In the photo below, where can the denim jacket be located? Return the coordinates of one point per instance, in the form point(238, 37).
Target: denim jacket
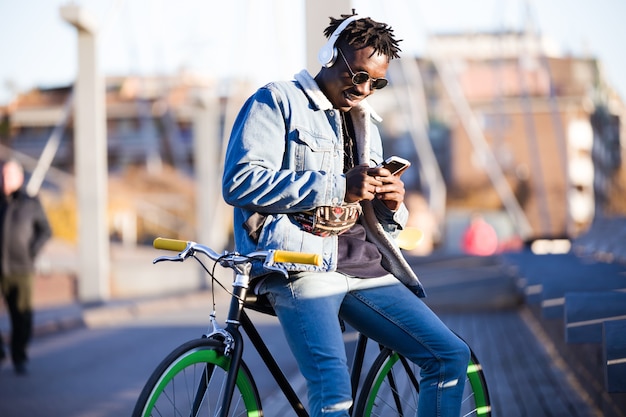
point(285, 155)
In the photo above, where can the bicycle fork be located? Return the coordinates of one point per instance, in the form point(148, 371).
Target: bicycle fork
point(233, 341)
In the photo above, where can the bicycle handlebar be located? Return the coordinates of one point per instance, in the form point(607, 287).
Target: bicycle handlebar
point(280, 256)
point(169, 244)
point(284, 256)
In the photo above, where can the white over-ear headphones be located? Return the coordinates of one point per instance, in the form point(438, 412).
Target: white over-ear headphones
point(328, 53)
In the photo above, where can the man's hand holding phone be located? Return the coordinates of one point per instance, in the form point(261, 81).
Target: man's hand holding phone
point(395, 165)
point(391, 191)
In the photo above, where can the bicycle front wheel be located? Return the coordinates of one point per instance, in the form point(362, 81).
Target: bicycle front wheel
point(191, 380)
point(391, 388)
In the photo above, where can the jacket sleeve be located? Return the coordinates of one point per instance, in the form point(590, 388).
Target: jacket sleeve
point(41, 228)
point(391, 221)
point(260, 174)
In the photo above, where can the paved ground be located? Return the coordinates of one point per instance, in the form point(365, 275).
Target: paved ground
point(479, 299)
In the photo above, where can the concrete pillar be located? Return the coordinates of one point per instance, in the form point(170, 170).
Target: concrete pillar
point(90, 162)
point(212, 228)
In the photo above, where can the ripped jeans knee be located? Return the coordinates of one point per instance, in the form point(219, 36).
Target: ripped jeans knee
point(337, 410)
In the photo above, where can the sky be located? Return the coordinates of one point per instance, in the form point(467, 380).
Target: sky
point(263, 40)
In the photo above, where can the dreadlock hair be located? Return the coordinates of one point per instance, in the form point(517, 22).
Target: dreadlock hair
point(366, 32)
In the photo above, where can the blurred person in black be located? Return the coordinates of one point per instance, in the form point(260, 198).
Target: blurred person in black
point(24, 229)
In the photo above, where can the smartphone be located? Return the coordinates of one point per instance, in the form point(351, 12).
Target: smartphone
point(395, 164)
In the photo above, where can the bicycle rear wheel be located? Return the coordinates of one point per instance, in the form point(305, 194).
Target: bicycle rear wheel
point(190, 381)
point(391, 388)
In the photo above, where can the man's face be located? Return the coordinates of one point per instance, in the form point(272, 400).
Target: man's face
point(338, 85)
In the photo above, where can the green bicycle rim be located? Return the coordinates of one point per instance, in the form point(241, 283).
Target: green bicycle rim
point(473, 374)
point(474, 370)
point(379, 380)
point(199, 355)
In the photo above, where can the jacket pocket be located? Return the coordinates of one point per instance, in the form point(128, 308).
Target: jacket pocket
point(313, 151)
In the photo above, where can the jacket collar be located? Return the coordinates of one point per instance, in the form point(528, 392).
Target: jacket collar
point(313, 91)
point(361, 113)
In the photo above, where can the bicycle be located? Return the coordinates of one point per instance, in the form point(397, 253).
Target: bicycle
point(207, 376)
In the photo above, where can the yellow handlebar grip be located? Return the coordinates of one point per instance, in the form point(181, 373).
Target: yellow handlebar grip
point(169, 244)
point(297, 257)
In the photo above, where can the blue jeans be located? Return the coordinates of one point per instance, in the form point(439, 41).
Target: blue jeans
point(307, 305)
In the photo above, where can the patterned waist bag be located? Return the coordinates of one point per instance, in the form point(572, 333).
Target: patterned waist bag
point(329, 220)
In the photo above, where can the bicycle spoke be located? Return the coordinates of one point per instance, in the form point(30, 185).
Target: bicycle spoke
point(394, 390)
point(203, 384)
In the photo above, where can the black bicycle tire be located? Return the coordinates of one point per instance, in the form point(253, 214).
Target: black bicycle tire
point(194, 352)
point(380, 371)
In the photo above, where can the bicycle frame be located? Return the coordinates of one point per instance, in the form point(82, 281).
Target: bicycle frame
point(272, 366)
point(238, 318)
point(234, 347)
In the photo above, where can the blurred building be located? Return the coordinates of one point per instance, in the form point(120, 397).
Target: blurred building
point(550, 124)
point(150, 146)
point(148, 121)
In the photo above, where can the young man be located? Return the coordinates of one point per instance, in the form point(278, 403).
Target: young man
point(24, 229)
point(299, 174)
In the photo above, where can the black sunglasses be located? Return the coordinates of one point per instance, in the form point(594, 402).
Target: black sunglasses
point(362, 76)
